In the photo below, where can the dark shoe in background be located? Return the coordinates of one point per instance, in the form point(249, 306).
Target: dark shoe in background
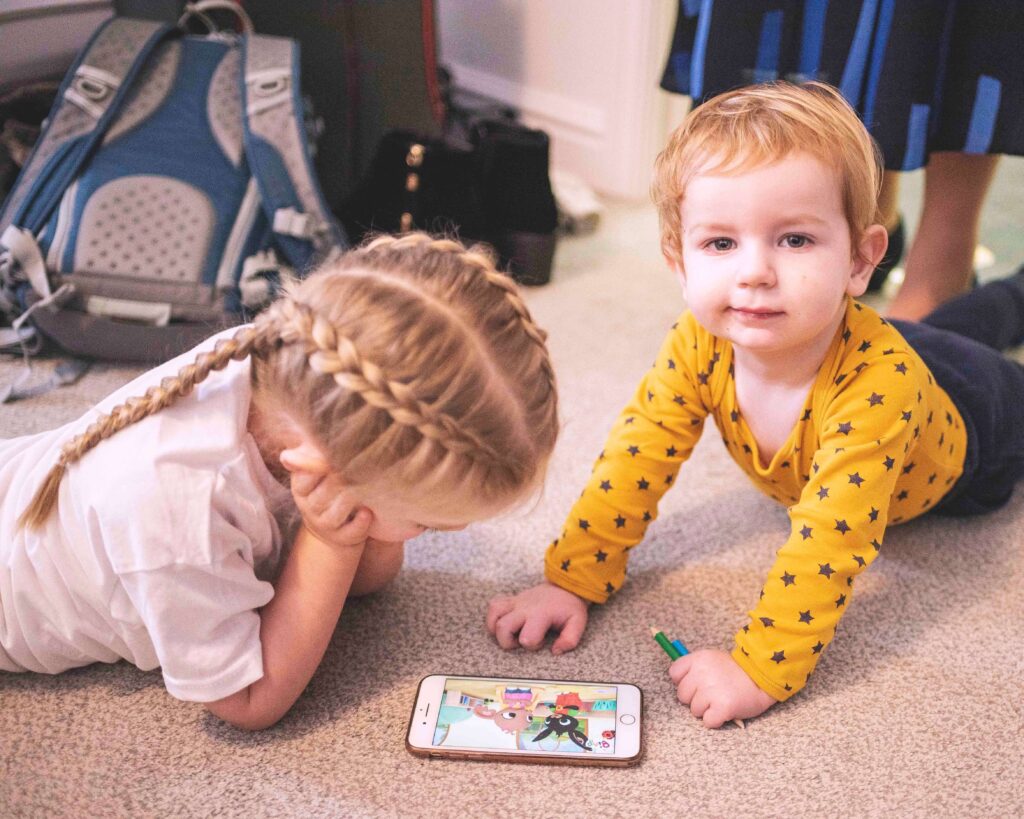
point(519, 206)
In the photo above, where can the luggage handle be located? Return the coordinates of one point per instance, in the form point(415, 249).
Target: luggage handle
point(144, 312)
point(199, 9)
point(89, 336)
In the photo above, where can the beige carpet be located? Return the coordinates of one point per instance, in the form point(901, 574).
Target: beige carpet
point(916, 710)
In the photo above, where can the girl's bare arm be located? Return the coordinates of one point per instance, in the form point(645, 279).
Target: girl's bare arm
point(295, 628)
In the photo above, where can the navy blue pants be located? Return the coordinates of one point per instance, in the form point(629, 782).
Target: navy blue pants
point(962, 344)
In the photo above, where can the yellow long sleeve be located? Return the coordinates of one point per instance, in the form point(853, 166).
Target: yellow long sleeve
point(650, 440)
point(836, 528)
point(878, 442)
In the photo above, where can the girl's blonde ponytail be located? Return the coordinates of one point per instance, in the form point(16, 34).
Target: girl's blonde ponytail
point(131, 411)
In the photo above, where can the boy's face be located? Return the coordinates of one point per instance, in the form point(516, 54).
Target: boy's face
point(767, 255)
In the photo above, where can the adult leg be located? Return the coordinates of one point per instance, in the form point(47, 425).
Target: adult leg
point(889, 216)
point(889, 200)
point(940, 261)
point(992, 314)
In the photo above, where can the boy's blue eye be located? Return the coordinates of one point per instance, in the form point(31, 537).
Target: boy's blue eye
point(795, 240)
point(720, 244)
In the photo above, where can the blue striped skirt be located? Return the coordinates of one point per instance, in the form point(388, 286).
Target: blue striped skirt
point(924, 75)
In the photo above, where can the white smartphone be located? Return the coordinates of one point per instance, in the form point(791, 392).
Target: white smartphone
point(521, 720)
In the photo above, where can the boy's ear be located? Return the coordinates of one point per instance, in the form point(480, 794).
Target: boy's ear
point(867, 255)
point(305, 457)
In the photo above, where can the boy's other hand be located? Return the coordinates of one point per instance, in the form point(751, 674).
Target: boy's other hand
point(716, 688)
point(524, 619)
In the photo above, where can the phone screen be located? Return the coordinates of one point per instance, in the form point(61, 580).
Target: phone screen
point(511, 715)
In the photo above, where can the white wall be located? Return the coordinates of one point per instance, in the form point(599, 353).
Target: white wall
point(586, 71)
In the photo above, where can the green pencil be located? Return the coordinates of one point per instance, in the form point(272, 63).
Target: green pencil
point(674, 654)
point(665, 644)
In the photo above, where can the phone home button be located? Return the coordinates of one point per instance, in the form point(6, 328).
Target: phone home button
point(627, 719)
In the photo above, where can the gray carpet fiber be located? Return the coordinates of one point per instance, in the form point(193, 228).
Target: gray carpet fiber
point(917, 708)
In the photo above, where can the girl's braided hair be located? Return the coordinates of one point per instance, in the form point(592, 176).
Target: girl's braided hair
point(411, 361)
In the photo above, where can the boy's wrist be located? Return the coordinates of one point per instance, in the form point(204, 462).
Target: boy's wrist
point(772, 689)
point(547, 582)
point(585, 594)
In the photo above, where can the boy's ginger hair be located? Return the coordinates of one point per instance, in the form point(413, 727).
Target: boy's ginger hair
point(761, 124)
point(413, 364)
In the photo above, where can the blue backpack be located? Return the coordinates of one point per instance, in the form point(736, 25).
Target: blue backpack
point(168, 196)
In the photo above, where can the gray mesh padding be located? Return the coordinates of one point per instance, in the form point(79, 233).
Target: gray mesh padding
point(224, 106)
point(278, 125)
point(264, 53)
point(148, 227)
point(115, 49)
point(149, 90)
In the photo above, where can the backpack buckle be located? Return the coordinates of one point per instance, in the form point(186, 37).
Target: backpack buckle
point(92, 89)
point(290, 222)
point(23, 253)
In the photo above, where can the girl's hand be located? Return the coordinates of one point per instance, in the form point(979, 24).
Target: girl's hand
point(717, 689)
point(323, 502)
point(524, 620)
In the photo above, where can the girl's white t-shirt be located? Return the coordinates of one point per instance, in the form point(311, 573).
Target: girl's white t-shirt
point(163, 546)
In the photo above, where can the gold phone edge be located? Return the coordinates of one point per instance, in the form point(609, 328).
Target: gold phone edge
point(528, 759)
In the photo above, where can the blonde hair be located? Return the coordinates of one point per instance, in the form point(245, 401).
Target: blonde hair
point(761, 124)
point(412, 362)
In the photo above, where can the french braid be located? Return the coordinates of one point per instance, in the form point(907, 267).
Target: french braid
point(503, 444)
point(404, 352)
point(480, 261)
point(336, 356)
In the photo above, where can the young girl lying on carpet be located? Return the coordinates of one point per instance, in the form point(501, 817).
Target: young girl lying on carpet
point(767, 202)
point(402, 388)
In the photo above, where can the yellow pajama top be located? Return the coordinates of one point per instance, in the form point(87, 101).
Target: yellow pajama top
point(878, 442)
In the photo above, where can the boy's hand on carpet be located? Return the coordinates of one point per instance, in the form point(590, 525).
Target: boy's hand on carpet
point(716, 688)
point(525, 619)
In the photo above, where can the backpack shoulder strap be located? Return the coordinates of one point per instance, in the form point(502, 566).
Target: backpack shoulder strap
point(88, 100)
point(276, 148)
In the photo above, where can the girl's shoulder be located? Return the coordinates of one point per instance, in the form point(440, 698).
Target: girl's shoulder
point(183, 484)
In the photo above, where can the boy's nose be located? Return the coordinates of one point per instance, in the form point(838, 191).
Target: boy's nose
point(756, 268)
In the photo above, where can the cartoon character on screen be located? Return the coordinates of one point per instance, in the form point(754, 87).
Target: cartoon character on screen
point(562, 724)
point(567, 701)
point(518, 697)
point(517, 713)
